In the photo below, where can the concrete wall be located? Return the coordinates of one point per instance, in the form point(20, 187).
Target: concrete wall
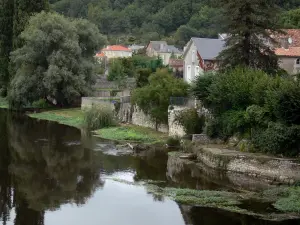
point(289, 64)
point(141, 119)
point(175, 129)
point(117, 54)
point(87, 102)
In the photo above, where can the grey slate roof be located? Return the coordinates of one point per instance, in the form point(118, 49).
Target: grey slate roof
point(156, 45)
point(209, 48)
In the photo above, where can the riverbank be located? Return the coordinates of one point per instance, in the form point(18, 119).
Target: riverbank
point(74, 117)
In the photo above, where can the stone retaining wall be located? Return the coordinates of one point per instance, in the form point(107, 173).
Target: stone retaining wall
point(270, 169)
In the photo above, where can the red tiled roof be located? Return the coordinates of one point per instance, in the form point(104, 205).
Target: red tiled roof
point(100, 54)
point(116, 48)
point(294, 34)
point(292, 51)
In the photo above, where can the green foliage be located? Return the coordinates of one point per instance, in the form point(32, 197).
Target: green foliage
point(277, 138)
point(290, 19)
point(116, 70)
point(41, 104)
point(23, 10)
point(99, 116)
point(153, 98)
point(142, 78)
point(191, 121)
point(173, 141)
point(6, 31)
point(250, 103)
point(56, 60)
point(247, 23)
point(131, 133)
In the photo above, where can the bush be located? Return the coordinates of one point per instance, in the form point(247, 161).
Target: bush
point(40, 104)
point(190, 120)
point(278, 139)
point(99, 116)
point(173, 141)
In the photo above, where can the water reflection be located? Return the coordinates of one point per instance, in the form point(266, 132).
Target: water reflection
point(52, 174)
point(43, 168)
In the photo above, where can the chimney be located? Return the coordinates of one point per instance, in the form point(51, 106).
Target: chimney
point(161, 46)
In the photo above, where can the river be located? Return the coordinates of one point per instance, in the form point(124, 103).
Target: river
point(54, 175)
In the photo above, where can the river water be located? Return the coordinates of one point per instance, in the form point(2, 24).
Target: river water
point(54, 175)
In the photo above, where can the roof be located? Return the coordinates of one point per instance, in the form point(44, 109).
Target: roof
point(293, 34)
point(176, 62)
point(100, 54)
point(208, 48)
point(291, 51)
point(163, 47)
point(116, 48)
point(136, 47)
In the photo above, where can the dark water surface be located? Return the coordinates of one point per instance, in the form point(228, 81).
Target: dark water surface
point(52, 174)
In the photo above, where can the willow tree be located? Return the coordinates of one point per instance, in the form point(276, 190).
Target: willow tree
point(6, 32)
point(249, 24)
point(23, 9)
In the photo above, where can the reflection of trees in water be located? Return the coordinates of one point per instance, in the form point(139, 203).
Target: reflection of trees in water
point(48, 166)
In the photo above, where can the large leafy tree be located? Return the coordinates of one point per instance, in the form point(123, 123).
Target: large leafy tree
point(56, 60)
point(154, 98)
point(6, 32)
point(250, 23)
point(23, 9)
point(291, 19)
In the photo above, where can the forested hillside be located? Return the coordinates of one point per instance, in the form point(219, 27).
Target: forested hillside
point(126, 21)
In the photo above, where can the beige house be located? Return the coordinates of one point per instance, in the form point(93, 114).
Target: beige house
point(115, 51)
point(288, 50)
point(163, 50)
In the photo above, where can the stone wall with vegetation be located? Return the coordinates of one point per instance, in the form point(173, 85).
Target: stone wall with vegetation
point(270, 169)
point(175, 129)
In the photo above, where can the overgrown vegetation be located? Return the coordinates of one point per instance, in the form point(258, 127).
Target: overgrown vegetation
point(262, 108)
point(99, 116)
point(71, 117)
point(55, 62)
point(153, 98)
point(131, 133)
point(191, 121)
point(3, 103)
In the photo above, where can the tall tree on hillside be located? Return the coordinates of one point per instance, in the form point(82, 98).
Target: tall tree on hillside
point(249, 23)
point(6, 32)
point(23, 9)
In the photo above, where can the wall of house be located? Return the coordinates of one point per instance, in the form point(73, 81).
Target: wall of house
point(289, 64)
point(191, 64)
point(117, 54)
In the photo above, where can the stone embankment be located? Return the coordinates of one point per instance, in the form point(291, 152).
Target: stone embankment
point(272, 170)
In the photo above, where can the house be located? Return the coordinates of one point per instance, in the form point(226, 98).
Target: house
point(288, 50)
point(115, 51)
point(200, 55)
point(135, 48)
point(163, 50)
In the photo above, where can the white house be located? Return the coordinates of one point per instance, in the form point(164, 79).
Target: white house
point(163, 50)
point(200, 55)
point(116, 51)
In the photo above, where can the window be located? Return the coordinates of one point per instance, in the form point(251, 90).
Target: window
point(298, 61)
point(197, 70)
point(188, 74)
point(193, 56)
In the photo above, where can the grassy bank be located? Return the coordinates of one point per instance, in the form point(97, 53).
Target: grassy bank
point(131, 133)
point(71, 117)
point(3, 103)
point(75, 117)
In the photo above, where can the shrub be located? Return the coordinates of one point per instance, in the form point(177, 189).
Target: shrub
point(173, 141)
point(99, 116)
point(40, 104)
point(277, 139)
point(191, 121)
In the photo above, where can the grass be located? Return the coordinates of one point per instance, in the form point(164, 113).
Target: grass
point(71, 117)
point(132, 133)
point(3, 103)
point(286, 199)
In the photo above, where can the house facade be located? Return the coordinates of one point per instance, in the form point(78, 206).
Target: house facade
point(163, 50)
point(200, 55)
point(115, 51)
point(288, 50)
